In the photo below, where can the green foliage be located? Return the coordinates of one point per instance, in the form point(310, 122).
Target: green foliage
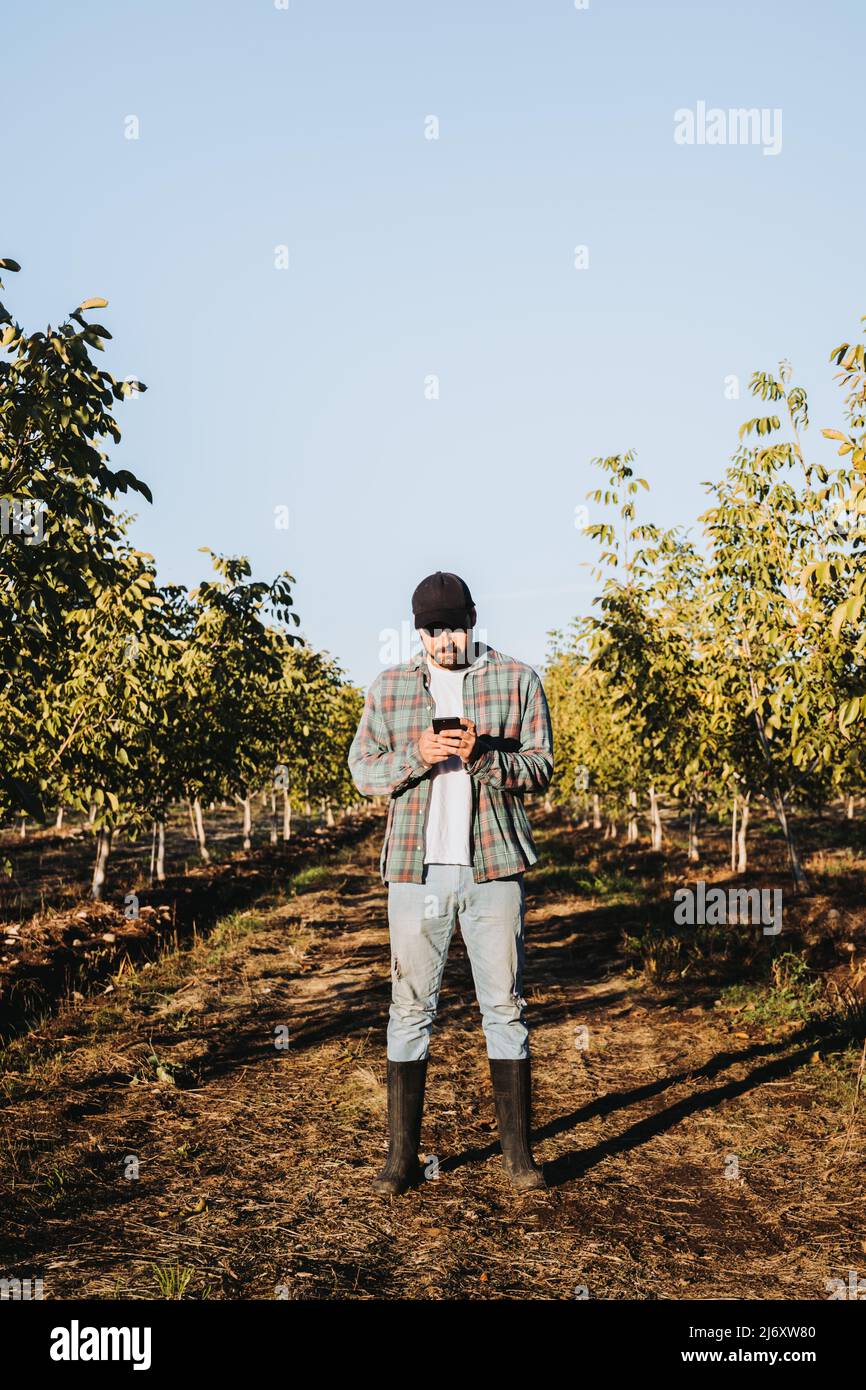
point(794, 994)
point(119, 696)
point(737, 666)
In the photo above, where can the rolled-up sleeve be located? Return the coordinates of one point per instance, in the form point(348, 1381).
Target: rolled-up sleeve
point(531, 768)
point(377, 767)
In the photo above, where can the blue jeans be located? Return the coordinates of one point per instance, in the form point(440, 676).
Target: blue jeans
point(421, 919)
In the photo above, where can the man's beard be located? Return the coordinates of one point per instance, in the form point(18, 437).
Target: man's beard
point(456, 657)
point(452, 656)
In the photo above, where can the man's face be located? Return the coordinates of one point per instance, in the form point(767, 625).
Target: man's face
point(447, 646)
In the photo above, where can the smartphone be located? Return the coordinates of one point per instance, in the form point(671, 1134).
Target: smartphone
point(450, 721)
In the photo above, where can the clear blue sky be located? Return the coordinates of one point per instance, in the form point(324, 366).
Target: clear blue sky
point(305, 127)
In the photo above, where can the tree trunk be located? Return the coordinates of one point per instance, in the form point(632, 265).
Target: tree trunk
point(287, 815)
point(23, 827)
point(103, 849)
point(157, 851)
point(192, 828)
point(734, 834)
point(801, 882)
point(274, 836)
point(248, 820)
point(655, 819)
point(631, 830)
point(596, 812)
point(58, 823)
point(91, 814)
point(694, 841)
point(742, 846)
point(198, 822)
point(849, 807)
point(329, 814)
point(160, 851)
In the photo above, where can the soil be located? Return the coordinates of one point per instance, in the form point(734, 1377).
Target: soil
point(206, 1122)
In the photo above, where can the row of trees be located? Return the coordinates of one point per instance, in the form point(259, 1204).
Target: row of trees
point(731, 669)
point(120, 696)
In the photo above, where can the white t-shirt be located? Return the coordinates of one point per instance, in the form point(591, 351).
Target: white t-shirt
point(450, 806)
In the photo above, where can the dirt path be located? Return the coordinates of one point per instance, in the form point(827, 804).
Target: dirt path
point(253, 1160)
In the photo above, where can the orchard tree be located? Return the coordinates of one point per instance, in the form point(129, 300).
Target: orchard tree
point(58, 532)
point(229, 661)
point(100, 715)
point(765, 533)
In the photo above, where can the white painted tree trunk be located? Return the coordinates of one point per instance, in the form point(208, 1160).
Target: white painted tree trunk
point(198, 822)
point(849, 807)
point(287, 815)
point(160, 851)
point(655, 819)
point(248, 821)
point(58, 823)
point(734, 834)
point(103, 849)
point(596, 811)
point(742, 844)
point(631, 829)
point(274, 836)
point(157, 851)
point(694, 853)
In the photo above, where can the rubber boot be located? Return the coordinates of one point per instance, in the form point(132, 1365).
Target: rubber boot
point(405, 1104)
point(512, 1095)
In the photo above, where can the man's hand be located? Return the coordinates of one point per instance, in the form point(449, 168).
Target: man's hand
point(435, 747)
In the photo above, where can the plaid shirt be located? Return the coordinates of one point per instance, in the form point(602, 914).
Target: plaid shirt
point(505, 700)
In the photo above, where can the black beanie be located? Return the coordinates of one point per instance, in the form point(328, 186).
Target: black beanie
point(442, 600)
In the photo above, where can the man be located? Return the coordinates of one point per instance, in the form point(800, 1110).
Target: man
point(457, 843)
